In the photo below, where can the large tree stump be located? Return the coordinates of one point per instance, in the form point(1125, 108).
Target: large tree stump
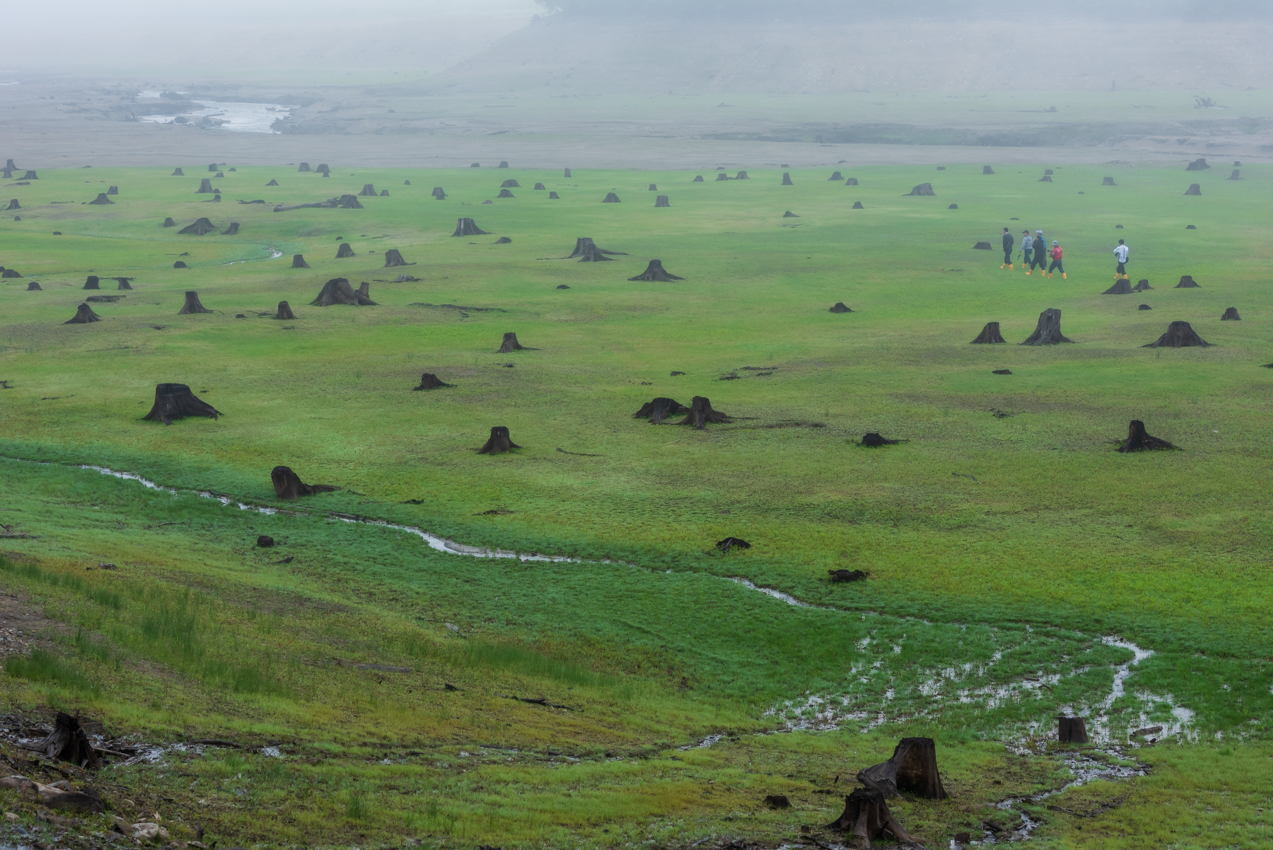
point(1236, 175)
point(177, 173)
point(1187, 282)
point(1071, 730)
point(192, 304)
point(553, 196)
point(180, 265)
point(272, 183)
point(742, 175)
point(840, 307)
point(1178, 335)
point(93, 282)
point(655, 272)
point(786, 179)
point(852, 181)
point(10, 273)
point(1231, 315)
point(1108, 181)
point(199, 228)
point(510, 344)
point(510, 184)
point(288, 485)
point(659, 409)
point(989, 335)
point(33, 286)
point(866, 815)
point(698, 178)
point(68, 742)
point(430, 381)
point(505, 193)
point(393, 258)
point(587, 251)
point(835, 177)
point(349, 202)
point(14, 205)
point(30, 175)
point(611, 198)
point(1194, 189)
point(1140, 440)
point(168, 222)
point(344, 251)
point(323, 168)
point(722, 177)
point(1197, 165)
point(922, 190)
point(468, 227)
point(124, 282)
point(985, 169)
point(540, 187)
point(304, 167)
point(205, 187)
point(438, 194)
point(338, 291)
point(284, 311)
point(912, 768)
point(100, 200)
point(232, 230)
point(701, 413)
point(114, 190)
point(662, 201)
point(1122, 286)
point(1047, 178)
point(499, 442)
point(83, 316)
point(566, 173)
point(298, 261)
point(1141, 286)
point(175, 401)
point(1048, 331)
point(364, 292)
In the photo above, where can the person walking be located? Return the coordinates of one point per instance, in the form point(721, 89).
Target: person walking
point(1120, 254)
point(1056, 260)
point(1027, 248)
point(1040, 257)
point(1007, 250)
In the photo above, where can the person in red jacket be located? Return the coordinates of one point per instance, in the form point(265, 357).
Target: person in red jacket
point(1056, 266)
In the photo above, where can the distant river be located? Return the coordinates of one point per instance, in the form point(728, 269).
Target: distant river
point(223, 115)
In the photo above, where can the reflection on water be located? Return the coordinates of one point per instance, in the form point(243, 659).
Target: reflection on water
point(224, 115)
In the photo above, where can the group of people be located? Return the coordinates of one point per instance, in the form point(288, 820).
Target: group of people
point(1035, 254)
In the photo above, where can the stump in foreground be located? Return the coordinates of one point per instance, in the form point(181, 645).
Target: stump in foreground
point(1071, 730)
point(1140, 440)
point(786, 179)
point(701, 413)
point(175, 401)
point(659, 409)
point(989, 335)
point(866, 815)
point(499, 442)
point(1122, 286)
point(430, 381)
point(199, 228)
point(510, 344)
point(83, 316)
point(344, 251)
point(69, 743)
point(468, 227)
point(1231, 315)
point(284, 311)
point(338, 291)
point(662, 201)
point(840, 307)
point(393, 259)
point(1179, 335)
point(655, 272)
point(1048, 331)
point(192, 304)
point(288, 485)
point(298, 261)
point(553, 196)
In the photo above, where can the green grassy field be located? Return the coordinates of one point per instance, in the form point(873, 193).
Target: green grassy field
point(1002, 549)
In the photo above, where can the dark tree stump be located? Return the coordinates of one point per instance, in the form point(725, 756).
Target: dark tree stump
point(566, 173)
point(655, 272)
point(611, 198)
point(429, 381)
point(468, 227)
point(1122, 286)
point(288, 485)
point(954, 207)
point(498, 443)
point(438, 194)
point(588, 252)
point(553, 196)
point(1144, 307)
point(180, 265)
point(232, 230)
point(93, 282)
point(1108, 181)
point(857, 205)
point(178, 173)
point(1045, 179)
point(866, 815)
point(1139, 440)
point(175, 401)
point(872, 440)
point(322, 168)
point(199, 228)
point(1236, 175)
point(1197, 165)
point(701, 413)
point(192, 304)
point(304, 167)
point(393, 258)
point(730, 543)
point(985, 169)
point(662, 201)
point(510, 184)
point(742, 175)
point(982, 246)
point(30, 175)
point(123, 282)
point(659, 409)
point(14, 205)
point(1187, 282)
point(1071, 730)
point(284, 311)
point(272, 183)
point(1179, 335)
point(510, 344)
point(922, 190)
point(68, 742)
point(338, 291)
point(349, 202)
point(848, 575)
point(835, 176)
point(264, 541)
point(989, 335)
point(503, 164)
point(697, 179)
point(205, 187)
point(912, 768)
point(100, 200)
point(1141, 286)
point(298, 261)
point(852, 181)
point(114, 190)
point(1231, 315)
point(83, 316)
point(786, 179)
point(10, 273)
point(1194, 189)
point(504, 193)
point(34, 287)
point(344, 251)
point(789, 214)
point(364, 292)
point(840, 307)
point(722, 177)
point(1048, 331)
point(168, 222)
point(540, 187)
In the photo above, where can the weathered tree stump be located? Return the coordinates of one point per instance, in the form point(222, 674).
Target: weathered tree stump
point(393, 258)
point(742, 175)
point(922, 190)
point(553, 196)
point(1071, 730)
point(1194, 189)
point(168, 222)
point(34, 287)
point(540, 187)
point(510, 344)
point(852, 181)
point(1139, 440)
point(200, 228)
point(14, 205)
point(10, 273)
point(1141, 286)
point(655, 272)
point(1187, 282)
point(349, 202)
point(857, 205)
point(1197, 165)
point(468, 227)
point(205, 187)
point(180, 265)
point(30, 175)
point(192, 304)
point(840, 307)
point(835, 177)
point(697, 179)
point(68, 742)
point(985, 169)
point(659, 409)
point(83, 316)
point(720, 178)
point(100, 200)
point(1236, 175)
point(701, 413)
point(284, 311)
point(232, 230)
point(866, 815)
point(1178, 335)
point(1122, 286)
point(1231, 315)
point(1144, 307)
point(304, 167)
point(912, 768)
point(322, 168)
point(344, 251)
point(1108, 181)
point(338, 291)
point(438, 194)
point(1045, 179)
point(662, 201)
point(298, 261)
point(588, 252)
point(498, 443)
point(503, 163)
point(786, 179)
point(288, 485)
point(177, 173)
point(1048, 331)
point(124, 282)
point(789, 214)
point(611, 198)
point(873, 440)
point(114, 190)
point(367, 191)
point(430, 381)
point(272, 183)
point(989, 335)
point(93, 282)
point(364, 293)
point(505, 193)
point(954, 207)
point(510, 184)
point(175, 401)
point(566, 173)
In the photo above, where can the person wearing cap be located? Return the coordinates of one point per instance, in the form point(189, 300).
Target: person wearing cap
point(1007, 250)
point(1056, 260)
point(1120, 254)
point(1040, 254)
point(1027, 248)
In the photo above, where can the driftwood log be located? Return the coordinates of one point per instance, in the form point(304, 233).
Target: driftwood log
point(288, 485)
point(701, 413)
point(498, 443)
point(192, 304)
point(1048, 331)
point(83, 316)
point(176, 401)
point(655, 272)
point(989, 335)
point(1179, 335)
point(1140, 440)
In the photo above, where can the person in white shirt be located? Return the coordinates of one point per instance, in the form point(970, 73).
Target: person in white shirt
point(1120, 254)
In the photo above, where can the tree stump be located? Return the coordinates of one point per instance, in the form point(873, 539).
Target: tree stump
point(232, 230)
point(1187, 282)
point(1236, 175)
point(344, 251)
point(93, 282)
point(866, 815)
point(588, 252)
point(34, 287)
point(1048, 331)
point(873, 440)
point(100, 200)
point(68, 742)
point(503, 164)
point(200, 228)
point(697, 179)
point(655, 272)
point(83, 316)
point(659, 409)
point(540, 187)
point(322, 168)
point(912, 768)
point(731, 543)
point(553, 196)
point(1120, 287)
point(264, 541)
point(205, 187)
point(192, 304)
point(857, 205)
point(467, 227)
point(14, 205)
point(510, 184)
point(1194, 189)
point(789, 214)
point(1139, 440)
point(367, 191)
point(662, 201)
point(288, 485)
point(566, 173)
point(180, 265)
point(177, 173)
point(985, 169)
point(498, 443)
point(475, 165)
point(438, 194)
point(1178, 335)
point(338, 291)
point(701, 413)
point(429, 381)
point(954, 207)
point(114, 190)
point(1197, 165)
point(175, 401)
point(30, 175)
point(272, 183)
point(349, 202)
point(1047, 172)
point(1231, 315)
point(852, 181)
point(123, 283)
point(1144, 307)
point(364, 293)
point(982, 246)
point(393, 258)
point(742, 175)
point(840, 307)
point(1191, 227)
point(1071, 730)
point(510, 344)
point(922, 190)
point(504, 193)
point(786, 179)
point(304, 167)
point(284, 311)
point(168, 222)
point(840, 576)
point(10, 273)
point(989, 335)
point(611, 198)
point(722, 177)
point(1141, 286)
point(1108, 181)
point(1045, 179)
point(298, 261)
